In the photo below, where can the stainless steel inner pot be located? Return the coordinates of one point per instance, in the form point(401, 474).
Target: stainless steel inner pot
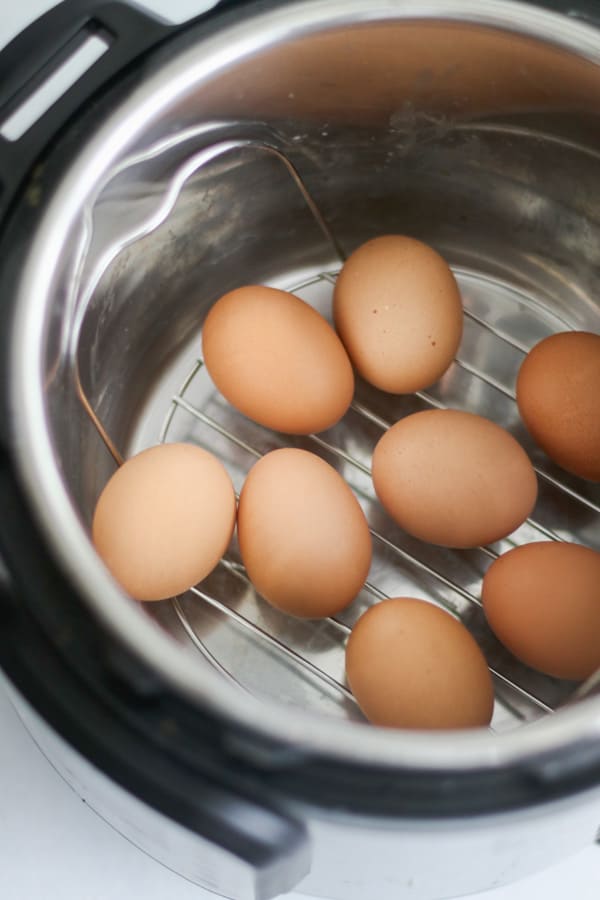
point(472, 126)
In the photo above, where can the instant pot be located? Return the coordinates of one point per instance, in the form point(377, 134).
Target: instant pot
point(261, 143)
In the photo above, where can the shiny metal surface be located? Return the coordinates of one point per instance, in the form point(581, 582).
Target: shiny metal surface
point(471, 854)
point(475, 130)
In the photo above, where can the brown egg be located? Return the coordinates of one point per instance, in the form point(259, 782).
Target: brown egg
point(558, 393)
point(411, 665)
point(542, 600)
point(398, 310)
point(277, 360)
point(164, 520)
point(453, 478)
point(303, 537)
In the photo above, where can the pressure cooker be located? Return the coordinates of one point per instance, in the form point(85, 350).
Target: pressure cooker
point(261, 143)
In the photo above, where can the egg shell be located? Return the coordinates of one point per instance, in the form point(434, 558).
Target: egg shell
point(453, 478)
point(164, 520)
point(411, 665)
point(542, 600)
point(303, 536)
point(277, 360)
point(398, 310)
point(558, 394)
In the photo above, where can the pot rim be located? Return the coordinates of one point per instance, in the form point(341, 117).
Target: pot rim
point(241, 35)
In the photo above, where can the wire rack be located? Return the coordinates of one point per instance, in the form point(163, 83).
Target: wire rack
point(264, 651)
point(301, 662)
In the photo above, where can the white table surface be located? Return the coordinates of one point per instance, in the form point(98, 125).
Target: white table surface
point(54, 847)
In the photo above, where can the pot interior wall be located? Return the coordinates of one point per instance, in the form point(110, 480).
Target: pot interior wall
point(481, 143)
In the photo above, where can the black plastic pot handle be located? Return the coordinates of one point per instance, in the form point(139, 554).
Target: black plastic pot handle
point(242, 837)
point(38, 51)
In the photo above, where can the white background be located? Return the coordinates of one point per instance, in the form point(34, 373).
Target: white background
point(53, 847)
